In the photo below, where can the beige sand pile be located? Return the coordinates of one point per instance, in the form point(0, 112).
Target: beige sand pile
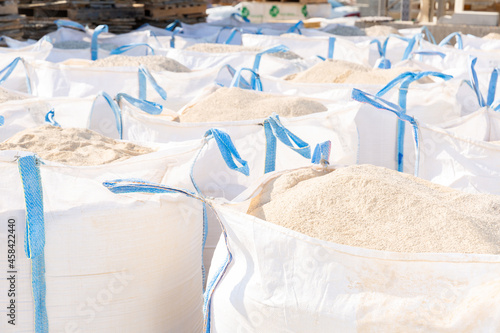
point(6, 95)
point(329, 71)
point(72, 146)
point(223, 48)
point(377, 208)
point(381, 30)
point(233, 104)
point(339, 71)
point(152, 62)
point(492, 35)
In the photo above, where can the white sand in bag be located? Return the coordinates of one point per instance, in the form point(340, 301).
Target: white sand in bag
point(233, 104)
point(72, 146)
point(152, 62)
point(382, 209)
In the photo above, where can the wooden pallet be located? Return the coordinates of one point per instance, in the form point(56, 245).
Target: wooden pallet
point(89, 14)
point(8, 8)
point(163, 11)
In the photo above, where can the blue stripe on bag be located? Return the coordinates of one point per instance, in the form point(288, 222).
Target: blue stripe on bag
point(34, 239)
point(2, 120)
point(128, 47)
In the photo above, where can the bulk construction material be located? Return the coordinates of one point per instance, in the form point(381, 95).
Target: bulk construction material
point(280, 280)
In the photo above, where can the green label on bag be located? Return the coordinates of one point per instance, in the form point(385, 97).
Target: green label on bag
point(245, 12)
point(274, 11)
point(304, 11)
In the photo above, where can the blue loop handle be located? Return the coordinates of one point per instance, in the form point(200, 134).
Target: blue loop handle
point(237, 80)
point(146, 106)
point(172, 38)
point(430, 37)
point(258, 56)
point(228, 151)
point(69, 24)
point(322, 152)
point(173, 25)
point(382, 104)
point(114, 107)
point(2, 120)
point(380, 50)
point(331, 46)
point(428, 53)
point(49, 118)
point(274, 129)
point(10, 68)
point(406, 79)
point(128, 47)
point(448, 38)
point(296, 27)
point(242, 83)
point(220, 32)
point(383, 63)
point(145, 77)
point(492, 86)
point(34, 238)
point(474, 81)
point(232, 34)
point(237, 15)
point(94, 46)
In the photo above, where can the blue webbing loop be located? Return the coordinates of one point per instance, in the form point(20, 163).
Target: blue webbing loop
point(296, 27)
point(430, 37)
point(428, 53)
point(10, 68)
point(69, 24)
point(231, 35)
point(2, 120)
point(322, 152)
point(173, 25)
point(34, 239)
point(114, 107)
point(492, 87)
point(331, 46)
point(243, 83)
point(144, 77)
point(406, 79)
point(237, 15)
point(239, 82)
point(49, 118)
point(448, 38)
point(274, 129)
point(382, 104)
point(474, 81)
point(146, 106)
point(128, 47)
point(94, 46)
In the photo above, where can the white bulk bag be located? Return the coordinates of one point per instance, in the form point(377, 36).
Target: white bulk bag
point(87, 112)
point(279, 280)
point(77, 79)
point(312, 46)
point(106, 256)
point(462, 161)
